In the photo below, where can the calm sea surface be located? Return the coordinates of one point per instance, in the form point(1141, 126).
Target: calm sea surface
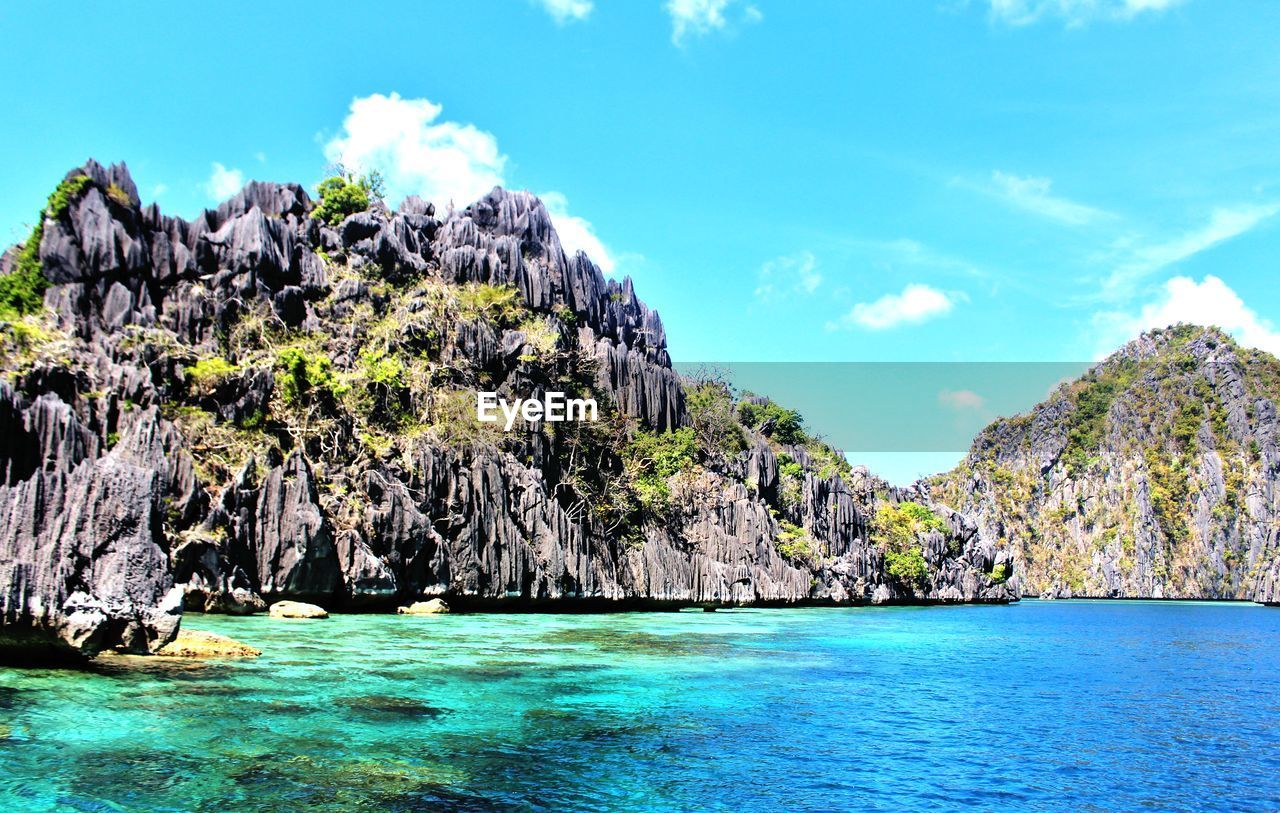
point(1040, 706)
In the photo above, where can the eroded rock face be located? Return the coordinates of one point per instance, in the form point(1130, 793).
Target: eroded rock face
point(187, 421)
point(1154, 476)
point(293, 545)
point(83, 557)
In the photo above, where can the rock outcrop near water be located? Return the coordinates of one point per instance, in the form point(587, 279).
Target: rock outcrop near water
point(276, 401)
point(1156, 475)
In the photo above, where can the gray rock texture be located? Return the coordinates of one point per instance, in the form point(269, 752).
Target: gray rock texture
point(83, 556)
point(258, 405)
point(1154, 476)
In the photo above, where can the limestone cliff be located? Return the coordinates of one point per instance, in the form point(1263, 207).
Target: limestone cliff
point(276, 400)
point(1154, 476)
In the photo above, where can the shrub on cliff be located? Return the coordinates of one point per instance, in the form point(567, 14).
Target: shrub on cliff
point(782, 424)
point(794, 542)
point(382, 376)
point(653, 457)
point(906, 566)
point(22, 290)
point(711, 414)
point(896, 529)
point(344, 195)
point(304, 373)
point(210, 372)
point(541, 337)
point(500, 304)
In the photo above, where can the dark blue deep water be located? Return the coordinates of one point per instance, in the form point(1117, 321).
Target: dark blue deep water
point(1039, 706)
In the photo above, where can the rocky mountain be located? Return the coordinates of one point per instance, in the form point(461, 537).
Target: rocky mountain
point(277, 401)
point(1155, 475)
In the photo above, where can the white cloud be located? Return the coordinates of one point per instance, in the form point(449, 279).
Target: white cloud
point(1209, 302)
point(962, 400)
point(797, 273)
point(576, 234)
point(564, 11)
point(1034, 195)
point(158, 190)
point(906, 253)
point(260, 156)
point(917, 303)
point(442, 161)
point(223, 182)
point(1142, 260)
point(1074, 12)
point(701, 17)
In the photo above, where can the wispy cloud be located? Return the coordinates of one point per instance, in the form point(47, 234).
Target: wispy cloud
point(1074, 12)
point(784, 276)
point(1209, 302)
point(1134, 261)
point(962, 400)
point(917, 303)
point(223, 182)
point(907, 252)
point(566, 11)
point(1035, 195)
point(701, 17)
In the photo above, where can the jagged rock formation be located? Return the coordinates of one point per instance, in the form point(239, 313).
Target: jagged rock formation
point(83, 560)
point(1153, 476)
point(263, 405)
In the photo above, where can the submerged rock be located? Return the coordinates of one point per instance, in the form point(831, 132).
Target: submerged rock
point(296, 609)
point(433, 606)
point(200, 644)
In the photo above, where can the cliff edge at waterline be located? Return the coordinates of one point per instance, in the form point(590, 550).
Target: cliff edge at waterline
point(277, 401)
point(1155, 475)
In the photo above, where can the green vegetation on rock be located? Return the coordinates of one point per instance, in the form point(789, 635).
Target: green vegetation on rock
point(210, 372)
point(711, 413)
point(1093, 396)
point(500, 304)
point(794, 542)
point(907, 566)
point(343, 195)
point(22, 290)
point(897, 529)
point(654, 457)
point(306, 371)
point(782, 424)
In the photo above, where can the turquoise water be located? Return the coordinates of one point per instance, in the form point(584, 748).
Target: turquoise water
point(1043, 705)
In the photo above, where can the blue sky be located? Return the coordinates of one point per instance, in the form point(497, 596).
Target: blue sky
point(989, 180)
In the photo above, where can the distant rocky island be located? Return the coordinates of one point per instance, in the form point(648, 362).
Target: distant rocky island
point(1152, 476)
point(276, 402)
